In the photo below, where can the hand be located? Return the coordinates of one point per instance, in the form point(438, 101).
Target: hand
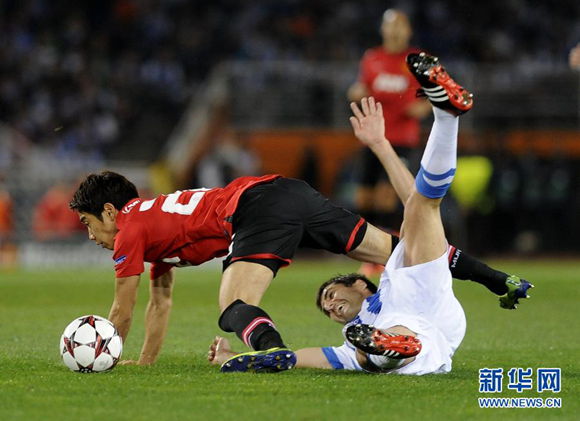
point(219, 351)
point(368, 124)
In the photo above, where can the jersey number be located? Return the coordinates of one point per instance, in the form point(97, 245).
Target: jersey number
point(171, 206)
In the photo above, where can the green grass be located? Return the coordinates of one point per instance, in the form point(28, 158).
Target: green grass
point(34, 384)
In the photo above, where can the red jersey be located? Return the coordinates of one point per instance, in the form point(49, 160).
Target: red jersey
point(387, 78)
point(183, 228)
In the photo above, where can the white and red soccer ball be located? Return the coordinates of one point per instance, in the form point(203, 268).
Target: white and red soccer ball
point(90, 344)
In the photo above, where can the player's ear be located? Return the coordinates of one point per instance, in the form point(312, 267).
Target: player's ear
point(109, 211)
point(360, 285)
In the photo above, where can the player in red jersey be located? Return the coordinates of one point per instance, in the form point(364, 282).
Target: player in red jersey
point(258, 222)
point(384, 75)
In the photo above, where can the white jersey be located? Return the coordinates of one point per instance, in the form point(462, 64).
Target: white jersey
point(420, 298)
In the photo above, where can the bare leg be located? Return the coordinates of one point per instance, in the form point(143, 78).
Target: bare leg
point(423, 230)
point(242, 288)
point(244, 281)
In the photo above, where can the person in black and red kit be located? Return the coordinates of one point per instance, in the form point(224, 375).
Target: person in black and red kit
point(383, 74)
point(256, 222)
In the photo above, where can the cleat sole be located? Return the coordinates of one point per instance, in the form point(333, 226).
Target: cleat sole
point(269, 361)
point(441, 90)
point(373, 341)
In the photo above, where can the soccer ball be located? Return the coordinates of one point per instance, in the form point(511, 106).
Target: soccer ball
point(90, 344)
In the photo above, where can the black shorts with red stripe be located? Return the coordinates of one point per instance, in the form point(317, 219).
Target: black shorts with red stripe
point(274, 219)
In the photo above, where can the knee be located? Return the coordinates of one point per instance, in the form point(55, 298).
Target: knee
point(161, 302)
point(244, 281)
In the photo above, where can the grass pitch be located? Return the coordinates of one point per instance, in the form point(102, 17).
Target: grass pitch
point(35, 385)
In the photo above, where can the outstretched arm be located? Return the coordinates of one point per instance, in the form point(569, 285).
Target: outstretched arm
point(312, 358)
point(369, 127)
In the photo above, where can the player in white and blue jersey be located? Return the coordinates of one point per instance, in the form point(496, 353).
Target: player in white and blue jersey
point(413, 324)
point(414, 310)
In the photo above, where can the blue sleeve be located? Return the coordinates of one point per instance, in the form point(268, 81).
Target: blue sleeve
point(342, 357)
point(332, 358)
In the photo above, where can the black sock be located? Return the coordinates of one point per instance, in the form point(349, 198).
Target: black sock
point(465, 267)
point(251, 324)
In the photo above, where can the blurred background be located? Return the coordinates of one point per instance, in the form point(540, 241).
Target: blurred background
point(190, 93)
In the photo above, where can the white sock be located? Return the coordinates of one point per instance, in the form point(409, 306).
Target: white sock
point(440, 156)
point(383, 362)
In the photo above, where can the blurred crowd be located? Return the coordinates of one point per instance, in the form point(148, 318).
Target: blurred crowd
point(79, 79)
point(76, 76)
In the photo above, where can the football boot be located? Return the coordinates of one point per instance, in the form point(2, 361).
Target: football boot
point(373, 341)
point(436, 84)
point(517, 288)
point(269, 361)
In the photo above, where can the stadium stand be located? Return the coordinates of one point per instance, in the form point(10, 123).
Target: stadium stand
point(147, 86)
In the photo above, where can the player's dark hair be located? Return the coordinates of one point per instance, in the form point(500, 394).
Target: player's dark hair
point(98, 189)
point(347, 280)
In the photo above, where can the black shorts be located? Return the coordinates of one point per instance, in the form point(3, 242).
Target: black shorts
point(371, 171)
point(274, 219)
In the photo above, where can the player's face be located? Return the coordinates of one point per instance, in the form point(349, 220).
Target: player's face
point(343, 302)
point(396, 30)
point(101, 232)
